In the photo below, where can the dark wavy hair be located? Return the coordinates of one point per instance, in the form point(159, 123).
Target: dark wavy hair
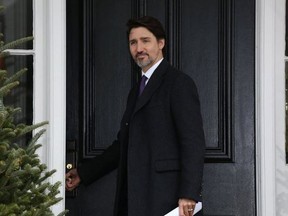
point(151, 23)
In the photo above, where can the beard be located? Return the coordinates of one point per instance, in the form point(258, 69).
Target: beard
point(142, 62)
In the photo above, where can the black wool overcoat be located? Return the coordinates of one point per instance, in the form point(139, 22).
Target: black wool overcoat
point(159, 150)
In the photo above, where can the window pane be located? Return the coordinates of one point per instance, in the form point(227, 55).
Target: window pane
point(16, 20)
point(22, 95)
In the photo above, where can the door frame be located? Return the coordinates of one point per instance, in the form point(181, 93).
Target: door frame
point(270, 105)
point(50, 93)
point(49, 96)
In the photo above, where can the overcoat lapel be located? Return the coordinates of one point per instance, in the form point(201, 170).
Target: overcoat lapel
point(152, 85)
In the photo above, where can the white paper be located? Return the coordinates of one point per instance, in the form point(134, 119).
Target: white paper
point(175, 212)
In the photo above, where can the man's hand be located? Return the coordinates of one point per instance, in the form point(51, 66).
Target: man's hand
point(186, 207)
point(72, 180)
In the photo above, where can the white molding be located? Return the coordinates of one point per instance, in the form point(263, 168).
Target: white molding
point(40, 85)
point(265, 107)
point(281, 166)
point(20, 52)
point(271, 169)
point(50, 85)
point(57, 92)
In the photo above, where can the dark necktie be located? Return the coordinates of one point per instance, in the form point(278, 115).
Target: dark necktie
point(142, 84)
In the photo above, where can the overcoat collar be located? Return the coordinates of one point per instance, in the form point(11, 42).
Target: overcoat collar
point(152, 85)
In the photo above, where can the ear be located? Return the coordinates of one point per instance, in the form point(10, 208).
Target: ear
point(161, 43)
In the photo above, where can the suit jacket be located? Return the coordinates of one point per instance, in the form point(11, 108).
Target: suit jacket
point(159, 150)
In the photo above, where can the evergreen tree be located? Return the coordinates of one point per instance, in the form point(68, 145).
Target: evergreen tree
point(24, 186)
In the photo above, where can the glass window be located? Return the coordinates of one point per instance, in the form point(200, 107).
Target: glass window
point(16, 21)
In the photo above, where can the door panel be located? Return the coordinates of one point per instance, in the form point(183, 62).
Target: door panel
point(106, 74)
point(211, 41)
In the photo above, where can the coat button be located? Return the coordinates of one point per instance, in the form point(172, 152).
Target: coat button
point(127, 124)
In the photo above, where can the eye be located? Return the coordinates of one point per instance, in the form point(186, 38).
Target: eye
point(145, 40)
point(132, 43)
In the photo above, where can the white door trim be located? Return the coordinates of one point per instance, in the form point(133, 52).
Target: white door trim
point(281, 169)
point(50, 85)
point(265, 109)
point(270, 43)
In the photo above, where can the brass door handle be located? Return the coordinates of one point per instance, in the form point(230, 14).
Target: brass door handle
point(69, 166)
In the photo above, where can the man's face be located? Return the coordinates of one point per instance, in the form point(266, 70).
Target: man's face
point(145, 49)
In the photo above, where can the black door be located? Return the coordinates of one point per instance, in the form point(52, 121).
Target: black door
point(213, 42)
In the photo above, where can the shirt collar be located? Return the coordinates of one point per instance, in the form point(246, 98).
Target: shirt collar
point(151, 70)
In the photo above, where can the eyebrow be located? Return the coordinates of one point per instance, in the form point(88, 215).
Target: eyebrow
point(141, 38)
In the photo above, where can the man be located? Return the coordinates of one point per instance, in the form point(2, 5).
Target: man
point(159, 150)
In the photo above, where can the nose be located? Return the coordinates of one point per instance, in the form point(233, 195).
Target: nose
point(139, 47)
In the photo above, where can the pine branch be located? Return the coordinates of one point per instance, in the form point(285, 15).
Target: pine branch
point(15, 43)
point(3, 114)
point(46, 176)
point(4, 54)
point(6, 89)
point(32, 147)
point(3, 75)
point(2, 8)
point(30, 128)
point(63, 213)
point(6, 116)
point(16, 76)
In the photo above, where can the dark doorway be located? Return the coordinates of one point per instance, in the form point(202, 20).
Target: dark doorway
point(213, 42)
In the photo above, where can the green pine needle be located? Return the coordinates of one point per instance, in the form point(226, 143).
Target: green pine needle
point(16, 76)
point(15, 43)
point(7, 88)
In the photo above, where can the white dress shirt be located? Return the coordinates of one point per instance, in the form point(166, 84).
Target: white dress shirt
point(151, 70)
